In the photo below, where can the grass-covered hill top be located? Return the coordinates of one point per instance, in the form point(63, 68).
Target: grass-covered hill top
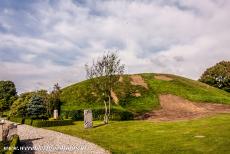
point(139, 93)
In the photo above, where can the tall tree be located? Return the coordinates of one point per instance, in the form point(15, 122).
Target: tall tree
point(104, 74)
point(7, 94)
point(36, 108)
point(19, 107)
point(218, 75)
point(54, 100)
point(46, 98)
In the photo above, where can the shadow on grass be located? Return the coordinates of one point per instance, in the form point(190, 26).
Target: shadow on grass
point(99, 125)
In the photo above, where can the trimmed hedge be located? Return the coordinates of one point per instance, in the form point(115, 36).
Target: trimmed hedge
point(75, 114)
point(50, 123)
point(17, 120)
point(14, 143)
point(28, 121)
point(98, 114)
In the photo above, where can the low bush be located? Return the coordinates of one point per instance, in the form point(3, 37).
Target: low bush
point(28, 121)
point(98, 114)
point(14, 143)
point(2, 145)
point(59, 118)
point(17, 120)
point(76, 114)
point(50, 123)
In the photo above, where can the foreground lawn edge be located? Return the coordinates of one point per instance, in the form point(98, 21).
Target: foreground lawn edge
point(205, 135)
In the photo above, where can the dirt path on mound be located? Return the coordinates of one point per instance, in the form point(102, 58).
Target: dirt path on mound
point(177, 108)
point(138, 80)
point(162, 77)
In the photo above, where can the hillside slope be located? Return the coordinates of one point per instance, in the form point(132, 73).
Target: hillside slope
point(140, 93)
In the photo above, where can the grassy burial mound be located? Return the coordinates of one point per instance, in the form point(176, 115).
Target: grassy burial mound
point(140, 93)
point(154, 97)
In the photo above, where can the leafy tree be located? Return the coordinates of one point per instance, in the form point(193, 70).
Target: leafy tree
point(45, 97)
point(104, 74)
point(7, 94)
point(54, 100)
point(3, 105)
point(19, 107)
point(36, 108)
point(218, 75)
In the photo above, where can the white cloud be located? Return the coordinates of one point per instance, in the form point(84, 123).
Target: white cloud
point(176, 36)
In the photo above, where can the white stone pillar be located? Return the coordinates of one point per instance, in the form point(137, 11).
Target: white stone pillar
point(55, 114)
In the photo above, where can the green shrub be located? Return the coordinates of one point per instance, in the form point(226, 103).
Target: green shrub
point(50, 123)
point(14, 143)
point(66, 115)
point(2, 145)
point(98, 114)
point(36, 108)
point(28, 121)
point(76, 115)
point(17, 120)
point(59, 118)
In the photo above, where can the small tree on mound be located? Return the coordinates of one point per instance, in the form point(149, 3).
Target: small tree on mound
point(218, 76)
point(36, 108)
point(104, 74)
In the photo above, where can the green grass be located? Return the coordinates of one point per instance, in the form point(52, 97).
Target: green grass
point(189, 89)
point(79, 95)
point(158, 137)
point(152, 137)
point(2, 145)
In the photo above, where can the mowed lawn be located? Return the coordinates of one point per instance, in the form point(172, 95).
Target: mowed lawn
point(206, 135)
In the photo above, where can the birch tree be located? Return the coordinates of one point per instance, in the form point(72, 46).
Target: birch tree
point(104, 73)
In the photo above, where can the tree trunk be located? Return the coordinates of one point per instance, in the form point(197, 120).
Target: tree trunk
point(109, 105)
point(106, 114)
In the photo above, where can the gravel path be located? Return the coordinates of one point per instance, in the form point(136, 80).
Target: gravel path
point(50, 141)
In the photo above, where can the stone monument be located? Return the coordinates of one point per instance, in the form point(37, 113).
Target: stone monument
point(4, 130)
point(12, 131)
point(88, 119)
point(1, 131)
point(55, 114)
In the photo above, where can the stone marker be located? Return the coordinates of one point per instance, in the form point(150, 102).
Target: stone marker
point(4, 132)
point(12, 131)
point(55, 114)
point(88, 119)
point(1, 131)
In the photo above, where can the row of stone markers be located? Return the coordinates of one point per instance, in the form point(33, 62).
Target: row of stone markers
point(88, 118)
point(7, 130)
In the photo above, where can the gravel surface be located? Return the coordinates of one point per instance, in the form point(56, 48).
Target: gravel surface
point(54, 142)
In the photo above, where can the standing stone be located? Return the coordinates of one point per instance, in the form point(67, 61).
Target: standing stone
point(12, 131)
point(88, 119)
point(4, 132)
point(55, 114)
point(1, 131)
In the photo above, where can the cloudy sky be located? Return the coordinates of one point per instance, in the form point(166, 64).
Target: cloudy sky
point(43, 42)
